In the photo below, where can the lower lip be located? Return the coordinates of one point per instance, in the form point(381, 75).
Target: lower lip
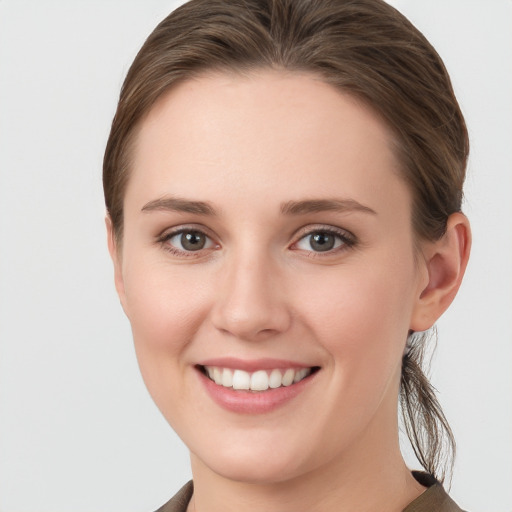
point(253, 402)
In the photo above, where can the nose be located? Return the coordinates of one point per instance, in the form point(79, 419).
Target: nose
point(251, 302)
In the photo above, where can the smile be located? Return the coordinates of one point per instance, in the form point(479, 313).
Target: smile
point(257, 386)
point(260, 380)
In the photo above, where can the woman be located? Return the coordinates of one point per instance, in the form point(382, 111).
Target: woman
point(283, 182)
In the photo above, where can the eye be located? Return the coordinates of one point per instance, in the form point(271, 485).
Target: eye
point(187, 240)
point(324, 240)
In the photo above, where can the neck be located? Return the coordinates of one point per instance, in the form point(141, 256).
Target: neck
point(371, 476)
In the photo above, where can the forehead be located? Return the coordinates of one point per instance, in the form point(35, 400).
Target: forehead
point(268, 133)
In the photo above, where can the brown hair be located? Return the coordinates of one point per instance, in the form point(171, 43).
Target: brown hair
point(363, 47)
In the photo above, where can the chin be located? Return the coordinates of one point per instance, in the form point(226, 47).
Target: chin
point(245, 464)
point(255, 473)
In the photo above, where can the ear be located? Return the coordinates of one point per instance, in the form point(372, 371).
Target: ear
point(445, 260)
point(115, 254)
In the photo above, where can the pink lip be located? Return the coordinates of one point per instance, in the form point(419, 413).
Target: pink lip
point(253, 365)
point(250, 402)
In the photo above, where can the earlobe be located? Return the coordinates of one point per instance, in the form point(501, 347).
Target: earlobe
point(446, 260)
point(114, 250)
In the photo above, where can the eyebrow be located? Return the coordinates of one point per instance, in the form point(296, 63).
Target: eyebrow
point(324, 205)
point(178, 204)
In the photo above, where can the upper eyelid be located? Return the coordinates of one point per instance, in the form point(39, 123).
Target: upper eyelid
point(304, 230)
point(300, 233)
point(181, 228)
point(316, 228)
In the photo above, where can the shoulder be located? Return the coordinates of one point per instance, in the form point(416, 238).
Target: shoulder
point(179, 502)
point(434, 499)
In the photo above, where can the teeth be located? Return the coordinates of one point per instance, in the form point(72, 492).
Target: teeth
point(288, 377)
point(217, 375)
point(241, 379)
point(300, 374)
point(227, 378)
point(260, 380)
point(275, 379)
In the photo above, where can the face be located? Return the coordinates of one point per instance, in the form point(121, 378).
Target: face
point(267, 245)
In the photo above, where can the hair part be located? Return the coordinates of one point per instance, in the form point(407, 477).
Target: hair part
point(365, 48)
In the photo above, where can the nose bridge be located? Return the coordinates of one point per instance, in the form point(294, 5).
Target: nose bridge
point(250, 303)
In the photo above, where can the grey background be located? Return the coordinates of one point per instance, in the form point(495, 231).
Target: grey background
point(78, 431)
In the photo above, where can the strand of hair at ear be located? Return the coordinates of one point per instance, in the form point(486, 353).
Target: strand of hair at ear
point(425, 423)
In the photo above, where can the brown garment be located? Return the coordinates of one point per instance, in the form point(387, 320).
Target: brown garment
point(179, 502)
point(434, 499)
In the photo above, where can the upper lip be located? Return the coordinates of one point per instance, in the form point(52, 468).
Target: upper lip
point(253, 364)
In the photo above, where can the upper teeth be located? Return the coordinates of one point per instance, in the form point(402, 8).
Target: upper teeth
point(260, 380)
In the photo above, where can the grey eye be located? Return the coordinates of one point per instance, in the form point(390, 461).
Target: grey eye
point(320, 241)
point(190, 241)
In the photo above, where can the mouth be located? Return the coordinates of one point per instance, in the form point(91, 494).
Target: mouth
point(256, 381)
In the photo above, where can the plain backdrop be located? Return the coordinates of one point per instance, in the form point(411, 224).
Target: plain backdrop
point(78, 431)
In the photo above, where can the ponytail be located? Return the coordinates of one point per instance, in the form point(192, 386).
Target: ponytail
point(425, 424)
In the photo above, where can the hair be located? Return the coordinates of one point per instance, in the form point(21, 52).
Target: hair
point(364, 48)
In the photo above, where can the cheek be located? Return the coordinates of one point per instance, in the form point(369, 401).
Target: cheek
point(361, 315)
point(162, 302)
point(165, 308)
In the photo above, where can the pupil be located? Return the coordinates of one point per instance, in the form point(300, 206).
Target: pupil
point(192, 241)
point(322, 242)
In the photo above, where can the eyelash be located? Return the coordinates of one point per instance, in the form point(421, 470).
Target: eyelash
point(167, 236)
point(347, 240)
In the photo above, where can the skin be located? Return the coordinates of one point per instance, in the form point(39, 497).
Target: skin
point(246, 146)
